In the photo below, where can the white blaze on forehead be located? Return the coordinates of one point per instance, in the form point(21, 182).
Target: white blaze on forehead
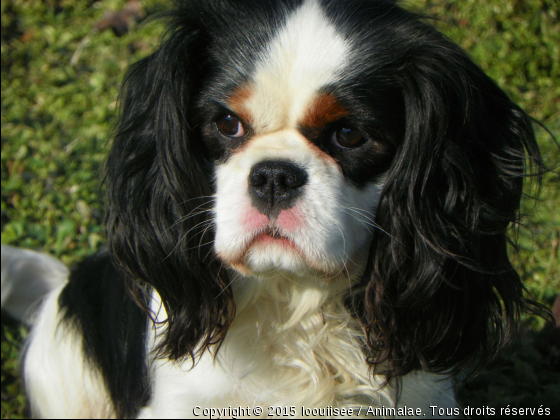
point(306, 54)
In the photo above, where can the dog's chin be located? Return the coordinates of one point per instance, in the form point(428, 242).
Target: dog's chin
point(270, 256)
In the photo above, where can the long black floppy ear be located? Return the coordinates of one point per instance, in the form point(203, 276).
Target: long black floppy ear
point(158, 194)
point(441, 289)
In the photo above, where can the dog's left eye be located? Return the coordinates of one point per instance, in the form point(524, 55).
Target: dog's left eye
point(348, 138)
point(230, 126)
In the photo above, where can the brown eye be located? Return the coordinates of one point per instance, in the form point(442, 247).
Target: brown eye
point(230, 126)
point(348, 138)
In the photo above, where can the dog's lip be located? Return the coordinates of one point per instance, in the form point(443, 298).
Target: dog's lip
point(271, 233)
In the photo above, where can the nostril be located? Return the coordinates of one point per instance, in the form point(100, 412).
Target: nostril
point(257, 179)
point(282, 181)
point(294, 179)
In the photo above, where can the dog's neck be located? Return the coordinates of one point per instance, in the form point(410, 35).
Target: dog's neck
point(298, 333)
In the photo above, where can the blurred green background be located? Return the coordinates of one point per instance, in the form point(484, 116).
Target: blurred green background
point(62, 64)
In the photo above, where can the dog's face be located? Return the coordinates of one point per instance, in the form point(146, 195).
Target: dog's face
point(299, 165)
point(325, 140)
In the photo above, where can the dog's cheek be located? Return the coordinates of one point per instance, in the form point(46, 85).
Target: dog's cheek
point(229, 206)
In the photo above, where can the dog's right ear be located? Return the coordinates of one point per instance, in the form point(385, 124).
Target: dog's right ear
point(158, 193)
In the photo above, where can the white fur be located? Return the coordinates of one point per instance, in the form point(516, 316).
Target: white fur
point(335, 216)
point(280, 354)
point(305, 55)
point(59, 381)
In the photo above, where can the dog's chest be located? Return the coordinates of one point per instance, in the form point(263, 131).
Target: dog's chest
point(272, 360)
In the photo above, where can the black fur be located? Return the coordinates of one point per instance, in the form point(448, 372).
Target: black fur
point(441, 291)
point(113, 328)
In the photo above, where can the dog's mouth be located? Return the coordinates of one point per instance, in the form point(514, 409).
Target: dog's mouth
point(272, 235)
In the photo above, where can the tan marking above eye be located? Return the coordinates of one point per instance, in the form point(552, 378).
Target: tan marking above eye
point(238, 103)
point(323, 110)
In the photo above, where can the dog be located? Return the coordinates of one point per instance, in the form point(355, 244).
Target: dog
point(308, 204)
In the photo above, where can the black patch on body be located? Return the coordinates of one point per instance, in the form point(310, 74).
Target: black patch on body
point(113, 328)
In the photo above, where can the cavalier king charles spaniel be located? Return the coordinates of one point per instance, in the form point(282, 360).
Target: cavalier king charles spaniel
point(307, 208)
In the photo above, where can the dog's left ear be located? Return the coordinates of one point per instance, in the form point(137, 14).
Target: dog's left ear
point(441, 289)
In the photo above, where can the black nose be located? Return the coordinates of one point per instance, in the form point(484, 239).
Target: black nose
point(275, 185)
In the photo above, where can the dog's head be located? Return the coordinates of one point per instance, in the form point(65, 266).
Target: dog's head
point(344, 143)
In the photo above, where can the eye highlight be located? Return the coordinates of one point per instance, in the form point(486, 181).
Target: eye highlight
point(347, 138)
point(230, 126)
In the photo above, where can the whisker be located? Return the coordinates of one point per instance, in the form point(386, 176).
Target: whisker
point(190, 214)
point(362, 210)
point(368, 221)
point(211, 197)
point(363, 221)
point(202, 236)
point(237, 276)
point(200, 245)
point(184, 236)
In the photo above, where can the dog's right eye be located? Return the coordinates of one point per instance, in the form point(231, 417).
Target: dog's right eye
point(230, 126)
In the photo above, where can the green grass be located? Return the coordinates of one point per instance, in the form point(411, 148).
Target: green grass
point(57, 121)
